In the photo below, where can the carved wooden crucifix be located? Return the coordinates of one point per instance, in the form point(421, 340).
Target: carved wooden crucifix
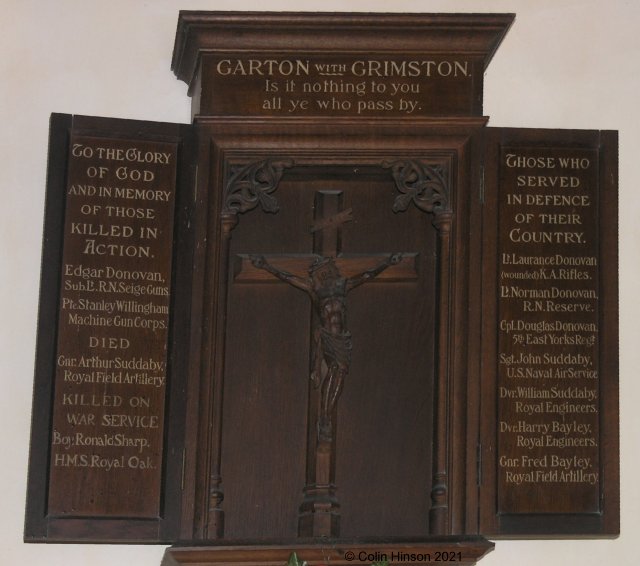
point(327, 276)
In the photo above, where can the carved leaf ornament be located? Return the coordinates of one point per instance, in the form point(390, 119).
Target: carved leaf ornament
point(421, 184)
point(251, 185)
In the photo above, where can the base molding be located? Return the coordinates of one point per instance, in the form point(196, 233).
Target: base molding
point(459, 550)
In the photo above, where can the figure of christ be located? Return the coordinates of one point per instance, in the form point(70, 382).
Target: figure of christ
point(331, 358)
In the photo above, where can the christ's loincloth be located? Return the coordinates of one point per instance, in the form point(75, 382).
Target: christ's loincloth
point(335, 348)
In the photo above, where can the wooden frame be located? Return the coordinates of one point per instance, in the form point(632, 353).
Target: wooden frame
point(229, 142)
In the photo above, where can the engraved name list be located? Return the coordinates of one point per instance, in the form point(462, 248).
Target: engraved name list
point(548, 378)
point(111, 363)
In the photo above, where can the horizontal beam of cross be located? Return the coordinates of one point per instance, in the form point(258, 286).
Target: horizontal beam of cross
point(348, 264)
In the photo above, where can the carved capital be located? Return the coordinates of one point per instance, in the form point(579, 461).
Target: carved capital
point(248, 186)
point(426, 186)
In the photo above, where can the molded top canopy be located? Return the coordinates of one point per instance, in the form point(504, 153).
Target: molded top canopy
point(435, 55)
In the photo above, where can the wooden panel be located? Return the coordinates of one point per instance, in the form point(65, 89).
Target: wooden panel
point(104, 343)
point(551, 373)
point(265, 383)
point(386, 417)
point(308, 84)
point(269, 342)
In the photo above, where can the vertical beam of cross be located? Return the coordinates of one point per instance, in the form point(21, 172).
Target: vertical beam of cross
point(320, 510)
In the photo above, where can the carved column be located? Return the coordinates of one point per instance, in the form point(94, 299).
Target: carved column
point(247, 187)
point(439, 513)
point(427, 187)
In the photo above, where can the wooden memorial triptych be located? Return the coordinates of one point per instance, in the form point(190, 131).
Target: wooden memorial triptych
point(337, 307)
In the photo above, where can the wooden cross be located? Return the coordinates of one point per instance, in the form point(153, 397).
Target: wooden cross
point(327, 276)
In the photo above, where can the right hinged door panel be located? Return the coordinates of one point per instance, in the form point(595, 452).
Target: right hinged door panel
point(549, 414)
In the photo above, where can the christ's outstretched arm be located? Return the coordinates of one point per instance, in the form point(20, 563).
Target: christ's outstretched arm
point(363, 277)
point(260, 262)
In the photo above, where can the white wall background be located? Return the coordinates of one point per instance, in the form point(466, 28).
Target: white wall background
point(564, 64)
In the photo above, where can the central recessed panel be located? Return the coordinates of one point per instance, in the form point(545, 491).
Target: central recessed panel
point(379, 426)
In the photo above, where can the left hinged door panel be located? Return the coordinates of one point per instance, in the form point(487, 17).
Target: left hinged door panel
point(109, 393)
